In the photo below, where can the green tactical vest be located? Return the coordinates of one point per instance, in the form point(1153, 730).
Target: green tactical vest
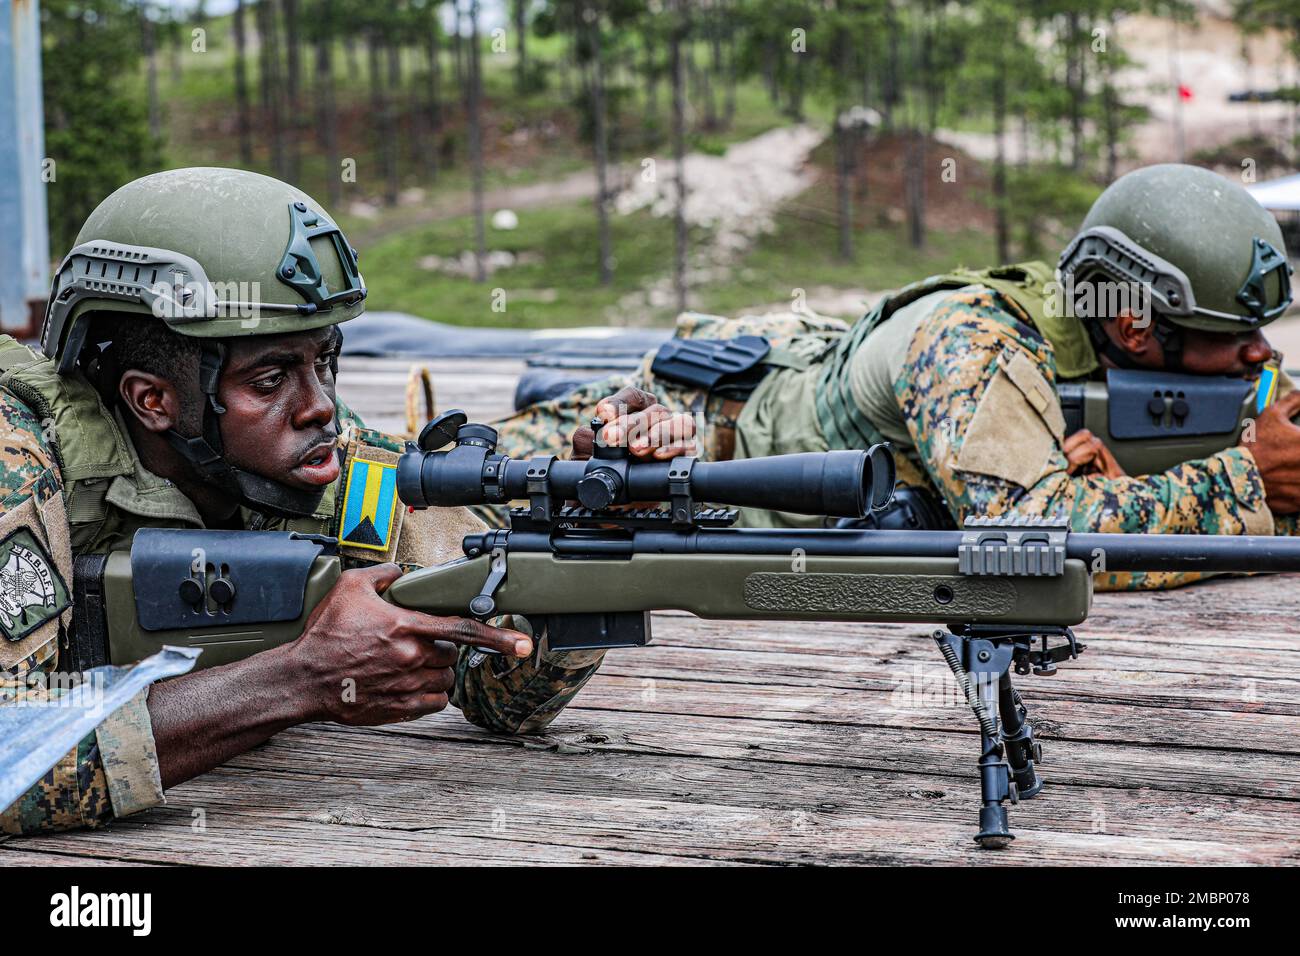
point(1026, 285)
point(107, 493)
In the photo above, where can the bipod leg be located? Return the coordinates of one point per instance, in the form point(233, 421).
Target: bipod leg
point(979, 664)
point(1018, 740)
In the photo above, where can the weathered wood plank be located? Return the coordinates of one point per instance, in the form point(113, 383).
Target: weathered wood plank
point(15, 854)
point(939, 707)
point(427, 804)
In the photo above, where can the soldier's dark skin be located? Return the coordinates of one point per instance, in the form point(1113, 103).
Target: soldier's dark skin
point(1275, 443)
point(278, 392)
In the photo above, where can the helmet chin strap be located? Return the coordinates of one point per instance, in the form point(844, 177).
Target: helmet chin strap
point(206, 454)
point(1167, 335)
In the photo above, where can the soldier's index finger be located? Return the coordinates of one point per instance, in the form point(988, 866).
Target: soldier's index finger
point(471, 633)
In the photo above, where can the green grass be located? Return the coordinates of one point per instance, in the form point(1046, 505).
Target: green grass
point(803, 255)
point(560, 289)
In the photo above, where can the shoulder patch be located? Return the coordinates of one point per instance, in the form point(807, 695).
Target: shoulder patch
point(370, 505)
point(31, 589)
point(1016, 425)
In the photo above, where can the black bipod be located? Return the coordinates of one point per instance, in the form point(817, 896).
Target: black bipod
point(981, 658)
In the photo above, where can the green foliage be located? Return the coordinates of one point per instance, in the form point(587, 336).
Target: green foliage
point(96, 126)
point(1046, 207)
point(553, 284)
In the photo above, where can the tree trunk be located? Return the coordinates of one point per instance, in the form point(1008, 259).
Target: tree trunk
point(651, 81)
point(769, 71)
point(521, 45)
point(435, 98)
point(293, 87)
point(1074, 84)
point(680, 30)
point(729, 103)
point(326, 112)
point(150, 49)
point(915, 188)
point(797, 88)
point(843, 157)
point(350, 54)
point(391, 138)
point(174, 54)
point(595, 26)
point(243, 121)
point(475, 89)
point(458, 54)
point(271, 88)
point(710, 74)
point(1110, 109)
point(1001, 229)
point(843, 189)
point(891, 93)
point(378, 108)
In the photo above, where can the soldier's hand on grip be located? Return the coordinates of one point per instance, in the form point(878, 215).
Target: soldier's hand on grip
point(362, 660)
point(1276, 448)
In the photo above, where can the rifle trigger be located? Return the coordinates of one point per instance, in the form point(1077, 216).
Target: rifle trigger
point(483, 605)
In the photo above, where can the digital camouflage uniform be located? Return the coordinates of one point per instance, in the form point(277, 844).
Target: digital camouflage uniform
point(113, 771)
point(977, 391)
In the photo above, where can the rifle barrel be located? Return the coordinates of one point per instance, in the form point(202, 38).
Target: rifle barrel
point(1120, 552)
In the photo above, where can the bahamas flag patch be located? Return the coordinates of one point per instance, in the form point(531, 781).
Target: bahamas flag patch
point(1267, 387)
point(369, 505)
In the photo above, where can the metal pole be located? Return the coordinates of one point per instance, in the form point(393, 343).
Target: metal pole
point(24, 276)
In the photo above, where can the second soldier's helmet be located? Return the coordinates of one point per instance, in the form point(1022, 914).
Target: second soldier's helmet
point(1202, 251)
point(213, 254)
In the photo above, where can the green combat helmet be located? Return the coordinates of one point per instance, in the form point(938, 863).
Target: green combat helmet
point(1197, 249)
point(214, 254)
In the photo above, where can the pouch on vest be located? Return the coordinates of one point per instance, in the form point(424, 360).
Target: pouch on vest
point(728, 367)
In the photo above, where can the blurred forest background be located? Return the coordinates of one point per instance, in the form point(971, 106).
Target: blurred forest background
point(520, 162)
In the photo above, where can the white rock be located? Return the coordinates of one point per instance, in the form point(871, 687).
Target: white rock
point(505, 219)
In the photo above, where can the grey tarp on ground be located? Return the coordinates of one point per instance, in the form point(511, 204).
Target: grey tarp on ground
point(33, 736)
point(396, 333)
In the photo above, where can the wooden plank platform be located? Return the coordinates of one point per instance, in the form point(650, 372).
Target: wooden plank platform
point(1173, 740)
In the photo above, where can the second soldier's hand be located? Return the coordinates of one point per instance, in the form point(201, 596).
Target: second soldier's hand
point(635, 418)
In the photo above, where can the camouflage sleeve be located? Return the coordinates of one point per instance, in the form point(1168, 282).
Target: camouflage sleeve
point(113, 771)
point(510, 696)
point(978, 394)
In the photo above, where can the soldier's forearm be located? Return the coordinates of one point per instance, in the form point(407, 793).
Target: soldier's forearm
point(203, 719)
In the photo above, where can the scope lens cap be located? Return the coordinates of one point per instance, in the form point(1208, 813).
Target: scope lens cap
point(441, 431)
point(881, 459)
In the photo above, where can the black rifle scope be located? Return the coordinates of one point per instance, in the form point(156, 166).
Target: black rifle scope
point(841, 484)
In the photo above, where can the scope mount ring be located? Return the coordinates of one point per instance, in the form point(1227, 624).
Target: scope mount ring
point(681, 504)
point(540, 505)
